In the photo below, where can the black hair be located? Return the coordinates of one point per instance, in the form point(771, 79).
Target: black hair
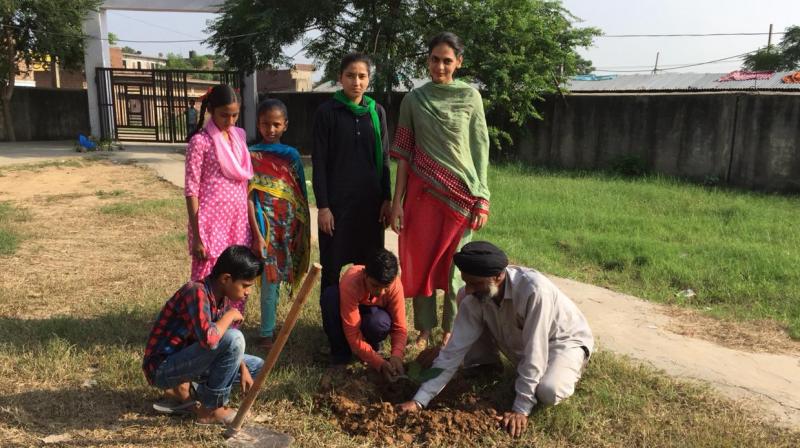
point(238, 261)
point(220, 95)
point(382, 267)
point(191, 101)
point(446, 37)
point(270, 104)
point(352, 58)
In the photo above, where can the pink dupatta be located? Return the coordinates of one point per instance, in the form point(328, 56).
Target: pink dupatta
point(234, 160)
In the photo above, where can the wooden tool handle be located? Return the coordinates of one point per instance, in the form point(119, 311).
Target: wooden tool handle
point(277, 347)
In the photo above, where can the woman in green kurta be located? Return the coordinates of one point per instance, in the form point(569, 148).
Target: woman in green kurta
point(441, 195)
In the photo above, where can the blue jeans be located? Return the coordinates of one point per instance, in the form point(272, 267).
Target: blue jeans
point(215, 370)
point(376, 324)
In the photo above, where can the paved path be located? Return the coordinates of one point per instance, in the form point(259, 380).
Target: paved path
point(622, 324)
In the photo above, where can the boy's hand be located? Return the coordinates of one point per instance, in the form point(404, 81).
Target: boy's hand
point(247, 379)
point(392, 368)
point(236, 316)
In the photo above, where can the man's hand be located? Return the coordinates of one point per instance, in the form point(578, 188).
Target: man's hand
point(409, 406)
point(325, 221)
point(247, 379)
point(514, 423)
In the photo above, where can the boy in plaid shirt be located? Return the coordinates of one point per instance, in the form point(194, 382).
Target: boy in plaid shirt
point(192, 340)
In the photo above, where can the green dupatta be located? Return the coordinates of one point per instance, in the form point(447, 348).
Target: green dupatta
point(448, 123)
point(359, 110)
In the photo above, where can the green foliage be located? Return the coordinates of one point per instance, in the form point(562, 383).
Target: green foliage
point(516, 50)
point(783, 57)
point(43, 30)
point(112, 39)
point(39, 32)
point(196, 62)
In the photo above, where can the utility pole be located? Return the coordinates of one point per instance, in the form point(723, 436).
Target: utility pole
point(655, 67)
point(769, 38)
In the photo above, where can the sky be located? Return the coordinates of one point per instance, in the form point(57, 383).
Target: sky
point(613, 17)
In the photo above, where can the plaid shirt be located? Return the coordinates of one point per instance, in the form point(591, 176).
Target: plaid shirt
point(188, 317)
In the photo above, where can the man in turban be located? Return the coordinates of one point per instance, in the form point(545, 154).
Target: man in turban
point(517, 311)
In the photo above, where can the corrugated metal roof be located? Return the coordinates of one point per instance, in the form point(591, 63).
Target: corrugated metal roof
point(332, 86)
point(671, 82)
point(662, 82)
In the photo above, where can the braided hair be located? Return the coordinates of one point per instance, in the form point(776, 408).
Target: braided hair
point(218, 96)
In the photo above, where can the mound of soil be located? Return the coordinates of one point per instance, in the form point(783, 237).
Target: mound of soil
point(363, 403)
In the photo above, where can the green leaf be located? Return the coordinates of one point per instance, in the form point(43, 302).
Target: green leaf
point(429, 374)
point(414, 370)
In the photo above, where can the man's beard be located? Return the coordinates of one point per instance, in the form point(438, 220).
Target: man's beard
point(483, 296)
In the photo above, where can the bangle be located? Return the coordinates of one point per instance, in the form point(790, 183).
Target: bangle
point(419, 405)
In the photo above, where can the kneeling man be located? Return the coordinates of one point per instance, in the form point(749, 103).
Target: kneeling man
point(364, 309)
point(520, 312)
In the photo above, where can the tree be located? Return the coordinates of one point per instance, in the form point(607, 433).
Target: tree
point(129, 50)
point(516, 49)
point(39, 32)
point(783, 57)
point(583, 66)
point(112, 39)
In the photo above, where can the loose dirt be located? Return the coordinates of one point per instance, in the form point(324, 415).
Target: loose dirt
point(363, 403)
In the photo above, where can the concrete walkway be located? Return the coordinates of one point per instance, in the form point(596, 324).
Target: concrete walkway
point(622, 324)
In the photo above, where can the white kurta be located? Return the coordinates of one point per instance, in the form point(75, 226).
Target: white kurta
point(534, 322)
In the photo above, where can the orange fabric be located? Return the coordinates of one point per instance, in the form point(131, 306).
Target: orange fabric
point(352, 293)
point(429, 238)
point(791, 79)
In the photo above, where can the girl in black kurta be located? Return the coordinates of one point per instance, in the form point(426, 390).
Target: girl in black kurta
point(351, 180)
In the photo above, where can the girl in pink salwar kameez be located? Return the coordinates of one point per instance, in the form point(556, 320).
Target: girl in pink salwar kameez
point(218, 169)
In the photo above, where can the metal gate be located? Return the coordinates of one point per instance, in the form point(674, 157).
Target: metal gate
point(151, 105)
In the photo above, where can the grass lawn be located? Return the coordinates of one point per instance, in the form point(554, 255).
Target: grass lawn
point(95, 268)
point(654, 237)
point(10, 217)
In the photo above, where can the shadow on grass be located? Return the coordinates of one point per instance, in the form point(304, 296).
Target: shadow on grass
point(49, 411)
point(123, 328)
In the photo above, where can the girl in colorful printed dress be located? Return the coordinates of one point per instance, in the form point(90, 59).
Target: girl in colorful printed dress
point(441, 193)
point(218, 169)
point(278, 211)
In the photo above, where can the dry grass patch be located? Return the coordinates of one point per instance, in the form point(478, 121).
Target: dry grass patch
point(93, 270)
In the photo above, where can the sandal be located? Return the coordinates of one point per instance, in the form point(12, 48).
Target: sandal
point(171, 407)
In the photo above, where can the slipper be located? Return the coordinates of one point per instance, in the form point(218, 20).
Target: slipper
point(225, 422)
point(173, 407)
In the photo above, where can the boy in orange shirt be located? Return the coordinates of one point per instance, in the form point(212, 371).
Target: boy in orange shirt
point(365, 308)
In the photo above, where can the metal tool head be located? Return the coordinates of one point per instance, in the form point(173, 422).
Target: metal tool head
point(257, 437)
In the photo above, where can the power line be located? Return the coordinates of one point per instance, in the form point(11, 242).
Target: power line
point(686, 35)
point(156, 25)
point(682, 66)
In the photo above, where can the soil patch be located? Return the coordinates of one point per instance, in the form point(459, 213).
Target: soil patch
point(362, 403)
